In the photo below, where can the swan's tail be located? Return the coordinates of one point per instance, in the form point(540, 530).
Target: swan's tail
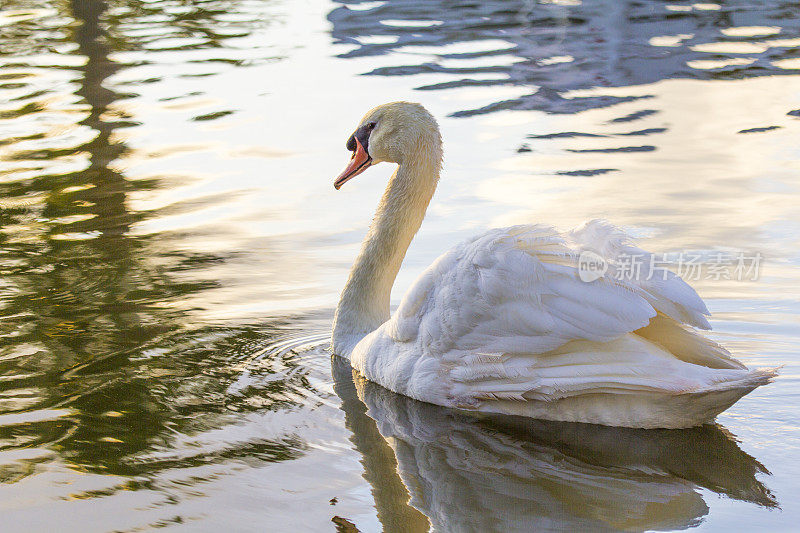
point(748, 382)
point(704, 404)
point(650, 407)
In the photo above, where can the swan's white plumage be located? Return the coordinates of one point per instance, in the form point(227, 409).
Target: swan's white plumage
point(503, 322)
point(504, 317)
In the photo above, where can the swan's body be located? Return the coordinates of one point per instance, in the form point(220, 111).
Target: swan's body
point(503, 322)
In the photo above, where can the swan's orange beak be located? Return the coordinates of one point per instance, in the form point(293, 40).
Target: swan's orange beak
point(359, 162)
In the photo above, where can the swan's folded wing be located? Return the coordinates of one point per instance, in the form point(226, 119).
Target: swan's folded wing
point(507, 316)
point(666, 291)
point(514, 291)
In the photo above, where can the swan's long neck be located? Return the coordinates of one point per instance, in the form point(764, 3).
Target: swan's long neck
point(364, 304)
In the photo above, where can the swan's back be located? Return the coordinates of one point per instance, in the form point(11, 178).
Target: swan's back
point(504, 323)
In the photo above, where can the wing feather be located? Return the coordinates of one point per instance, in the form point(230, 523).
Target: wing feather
point(516, 290)
point(668, 293)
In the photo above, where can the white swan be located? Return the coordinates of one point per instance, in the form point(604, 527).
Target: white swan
point(503, 323)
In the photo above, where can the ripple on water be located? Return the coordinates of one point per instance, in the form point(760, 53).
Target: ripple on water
point(640, 44)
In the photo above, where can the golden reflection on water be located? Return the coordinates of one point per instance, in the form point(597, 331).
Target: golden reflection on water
point(716, 189)
point(171, 248)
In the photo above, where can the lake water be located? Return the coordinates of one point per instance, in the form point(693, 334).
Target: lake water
point(171, 251)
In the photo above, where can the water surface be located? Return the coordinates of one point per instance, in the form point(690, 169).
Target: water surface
point(171, 251)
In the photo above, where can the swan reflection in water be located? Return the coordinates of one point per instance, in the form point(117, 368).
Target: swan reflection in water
point(458, 472)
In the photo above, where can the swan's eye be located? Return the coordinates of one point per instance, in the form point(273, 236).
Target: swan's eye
point(371, 126)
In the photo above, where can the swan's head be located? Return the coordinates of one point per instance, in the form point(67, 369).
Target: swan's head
point(392, 132)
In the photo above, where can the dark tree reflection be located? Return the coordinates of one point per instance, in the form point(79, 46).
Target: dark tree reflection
point(89, 303)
